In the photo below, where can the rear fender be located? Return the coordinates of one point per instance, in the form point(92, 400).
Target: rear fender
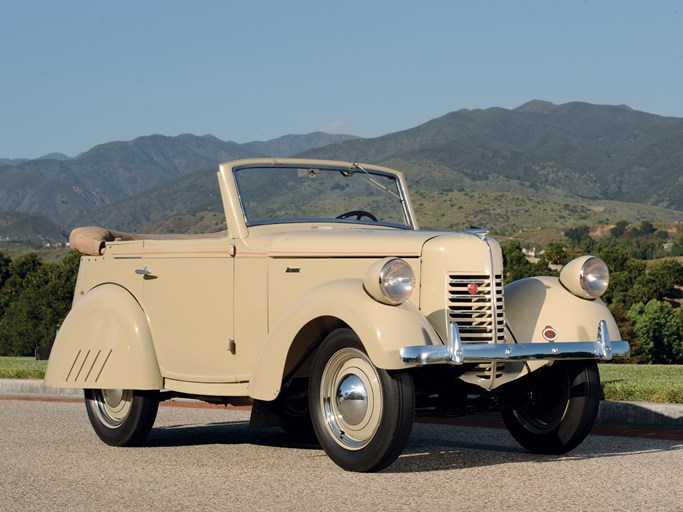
point(383, 330)
point(104, 343)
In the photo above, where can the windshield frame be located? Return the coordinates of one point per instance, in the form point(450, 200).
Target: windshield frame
point(354, 168)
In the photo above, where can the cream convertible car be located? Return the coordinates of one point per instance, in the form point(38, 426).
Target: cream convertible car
point(326, 308)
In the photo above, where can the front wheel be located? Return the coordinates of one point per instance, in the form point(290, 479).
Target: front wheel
point(121, 417)
point(555, 407)
point(362, 415)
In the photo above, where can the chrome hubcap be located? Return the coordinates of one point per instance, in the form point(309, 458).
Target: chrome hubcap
point(112, 397)
point(113, 406)
point(351, 398)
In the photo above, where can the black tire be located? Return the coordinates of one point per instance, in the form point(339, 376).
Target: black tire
point(121, 417)
point(563, 401)
point(362, 415)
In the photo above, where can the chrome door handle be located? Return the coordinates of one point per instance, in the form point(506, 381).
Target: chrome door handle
point(146, 273)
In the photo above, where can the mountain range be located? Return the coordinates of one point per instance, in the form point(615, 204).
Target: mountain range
point(585, 150)
point(566, 154)
point(66, 189)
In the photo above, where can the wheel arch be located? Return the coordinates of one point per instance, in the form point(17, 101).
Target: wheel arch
point(305, 343)
point(104, 343)
point(383, 330)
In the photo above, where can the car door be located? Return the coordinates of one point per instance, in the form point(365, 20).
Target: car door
point(188, 297)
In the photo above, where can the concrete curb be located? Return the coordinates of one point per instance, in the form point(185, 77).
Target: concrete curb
point(641, 413)
point(34, 388)
point(629, 413)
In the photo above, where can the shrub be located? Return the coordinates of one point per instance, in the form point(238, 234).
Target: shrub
point(659, 332)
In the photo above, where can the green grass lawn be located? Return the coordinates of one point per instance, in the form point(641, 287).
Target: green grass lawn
point(622, 382)
point(642, 382)
point(22, 368)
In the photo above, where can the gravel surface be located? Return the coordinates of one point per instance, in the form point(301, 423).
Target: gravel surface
point(209, 459)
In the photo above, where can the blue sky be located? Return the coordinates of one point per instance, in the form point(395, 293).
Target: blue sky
point(74, 74)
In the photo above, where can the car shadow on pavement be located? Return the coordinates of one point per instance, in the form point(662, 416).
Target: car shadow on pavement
point(227, 433)
point(430, 448)
point(478, 456)
point(445, 447)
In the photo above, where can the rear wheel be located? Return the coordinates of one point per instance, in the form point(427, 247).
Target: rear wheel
point(560, 403)
point(121, 417)
point(362, 415)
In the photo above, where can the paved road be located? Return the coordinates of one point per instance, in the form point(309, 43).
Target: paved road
point(209, 459)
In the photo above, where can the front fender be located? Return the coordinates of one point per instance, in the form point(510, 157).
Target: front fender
point(104, 343)
point(533, 304)
point(383, 329)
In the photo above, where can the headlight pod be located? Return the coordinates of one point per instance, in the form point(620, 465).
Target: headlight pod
point(586, 277)
point(390, 281)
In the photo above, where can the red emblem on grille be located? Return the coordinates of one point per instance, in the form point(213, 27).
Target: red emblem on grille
point(472, 289)
point(549, 333)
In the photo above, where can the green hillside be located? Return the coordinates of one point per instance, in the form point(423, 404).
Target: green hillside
point(29, 228)
point(534, 168)
point(66, 190)
point(584, 150)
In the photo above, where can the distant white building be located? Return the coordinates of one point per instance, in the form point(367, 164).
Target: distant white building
point(532, 253)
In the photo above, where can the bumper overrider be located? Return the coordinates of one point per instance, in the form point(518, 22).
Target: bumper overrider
point(455, 352)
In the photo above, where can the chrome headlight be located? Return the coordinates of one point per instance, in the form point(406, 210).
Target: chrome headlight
point(586, 277)
point(390, 281)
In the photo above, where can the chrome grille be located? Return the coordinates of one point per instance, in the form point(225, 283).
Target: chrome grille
point(475, 303)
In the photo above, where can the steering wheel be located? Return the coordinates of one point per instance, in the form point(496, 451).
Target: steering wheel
point(358, 215)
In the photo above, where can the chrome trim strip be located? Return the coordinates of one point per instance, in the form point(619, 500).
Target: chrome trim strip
point(482, 234)
point(494, 291)
point(455, 352)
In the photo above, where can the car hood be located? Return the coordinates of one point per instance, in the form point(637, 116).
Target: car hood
point(327, 243)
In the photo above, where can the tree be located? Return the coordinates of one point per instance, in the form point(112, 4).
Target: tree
point(615, 257)
point(619, 229)
point(659, 332)
point(4, 269)
point(658, 282)
point(677, 248)
point(576, 234)
point(556, 253)
point(515, 262)
point(580, 237)
point(624, 274)
point(646, 228)
point(18, 272)
point(37, 298)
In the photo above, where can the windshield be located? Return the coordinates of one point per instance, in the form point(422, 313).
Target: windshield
point(274, 194)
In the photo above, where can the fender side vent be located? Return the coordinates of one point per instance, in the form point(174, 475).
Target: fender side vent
point(103, 365)
point(87, 364)
point(73, 365)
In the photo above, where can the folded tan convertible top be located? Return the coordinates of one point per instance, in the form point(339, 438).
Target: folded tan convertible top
point(91, 240)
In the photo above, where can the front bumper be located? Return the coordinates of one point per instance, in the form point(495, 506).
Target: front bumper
point(455, 352)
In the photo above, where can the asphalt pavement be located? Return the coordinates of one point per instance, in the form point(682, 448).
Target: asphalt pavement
point(619, 413)
point(200, 458)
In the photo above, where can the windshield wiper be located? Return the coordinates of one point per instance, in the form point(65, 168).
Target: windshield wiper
point(376, 183)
